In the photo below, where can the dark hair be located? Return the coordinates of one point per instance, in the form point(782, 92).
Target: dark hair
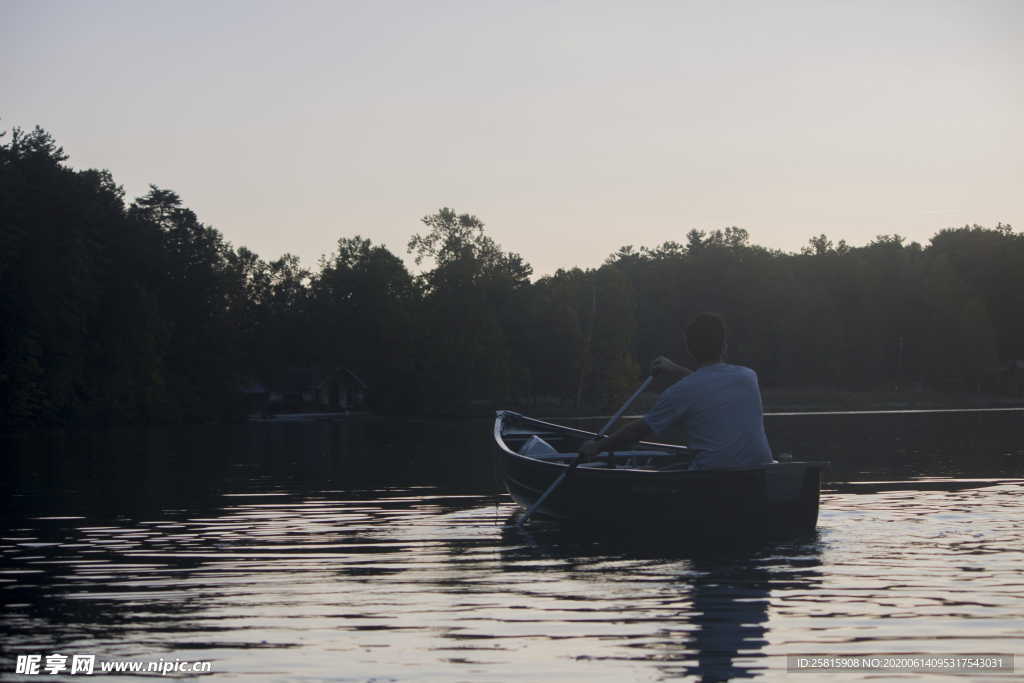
point(705, 337)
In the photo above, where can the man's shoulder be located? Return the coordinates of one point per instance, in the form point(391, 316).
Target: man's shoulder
point(711, 376)
point(740, 370)
point(741, 375)
point(737, 367)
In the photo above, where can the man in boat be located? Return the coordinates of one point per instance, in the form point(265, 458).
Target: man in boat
point(719, 405)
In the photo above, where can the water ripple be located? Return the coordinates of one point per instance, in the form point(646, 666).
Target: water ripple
point(352, 587)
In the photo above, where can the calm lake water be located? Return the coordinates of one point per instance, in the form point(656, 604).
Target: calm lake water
point(384, 549)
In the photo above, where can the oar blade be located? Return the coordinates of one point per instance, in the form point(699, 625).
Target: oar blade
point(544, 496)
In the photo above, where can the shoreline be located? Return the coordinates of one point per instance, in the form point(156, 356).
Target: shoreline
point(817, 400)
point(797, 401)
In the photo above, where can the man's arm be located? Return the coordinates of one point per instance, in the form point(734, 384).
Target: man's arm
point(665, 374)
point(626, 435)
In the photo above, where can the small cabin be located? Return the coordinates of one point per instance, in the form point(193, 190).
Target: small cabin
point(1012, 378)
point(308, 389)
point(341, 389)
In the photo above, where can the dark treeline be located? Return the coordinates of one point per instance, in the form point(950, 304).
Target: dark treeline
point(115, 312)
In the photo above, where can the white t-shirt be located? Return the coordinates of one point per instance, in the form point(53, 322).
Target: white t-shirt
point(720, 407)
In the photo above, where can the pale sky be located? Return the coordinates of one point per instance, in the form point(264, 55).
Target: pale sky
point(569, 128)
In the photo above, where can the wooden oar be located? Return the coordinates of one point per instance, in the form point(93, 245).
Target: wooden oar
point(576, 461)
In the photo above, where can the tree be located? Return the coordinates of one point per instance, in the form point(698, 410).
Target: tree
point(363, 301)
point(467, 311)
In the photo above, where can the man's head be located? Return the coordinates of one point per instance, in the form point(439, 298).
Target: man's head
point(705, 338)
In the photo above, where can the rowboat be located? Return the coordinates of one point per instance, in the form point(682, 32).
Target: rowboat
point(650, 485)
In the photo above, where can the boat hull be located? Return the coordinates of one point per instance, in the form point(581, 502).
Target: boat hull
point(779, 499)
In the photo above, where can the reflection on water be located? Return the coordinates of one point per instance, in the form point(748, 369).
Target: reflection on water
point(702, 611)
point(341, 552)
